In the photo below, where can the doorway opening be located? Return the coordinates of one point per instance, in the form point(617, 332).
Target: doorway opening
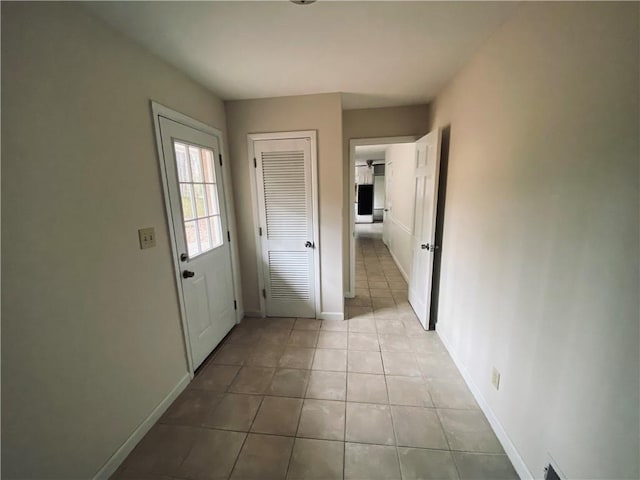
point(370, 201)
point(396, 214)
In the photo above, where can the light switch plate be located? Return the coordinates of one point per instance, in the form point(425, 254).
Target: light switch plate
point(147, 237)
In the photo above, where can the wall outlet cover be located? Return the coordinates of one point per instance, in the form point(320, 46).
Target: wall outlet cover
point(495, 378)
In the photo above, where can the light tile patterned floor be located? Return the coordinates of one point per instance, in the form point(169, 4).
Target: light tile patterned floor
point(371, 397)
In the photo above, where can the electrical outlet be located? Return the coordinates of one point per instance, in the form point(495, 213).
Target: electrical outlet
point(147, 237)
point(495, 378)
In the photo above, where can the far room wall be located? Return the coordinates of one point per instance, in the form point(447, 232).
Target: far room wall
point(309, 112)
point(370, 123)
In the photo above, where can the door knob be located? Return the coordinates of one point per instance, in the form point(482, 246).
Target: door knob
point(424, 246)
point(308, 244)
point(187, 274)
point(184, 257)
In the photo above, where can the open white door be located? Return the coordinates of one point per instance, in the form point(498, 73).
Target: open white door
point(285, 199)
point(195, 194)
point(386, 215)
point(424, 223)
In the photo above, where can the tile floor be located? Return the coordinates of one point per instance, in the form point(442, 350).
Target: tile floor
point(372, 397)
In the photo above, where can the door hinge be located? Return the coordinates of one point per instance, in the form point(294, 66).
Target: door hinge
point(228, 235)
point(220, 158)
point(255, 163)
point(235, 305)
point(260, 231)
point(264, 293)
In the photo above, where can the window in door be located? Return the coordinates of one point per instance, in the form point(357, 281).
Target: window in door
point(199, 197)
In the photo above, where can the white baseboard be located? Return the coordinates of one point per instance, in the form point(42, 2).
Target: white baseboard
point(395, 259)
point(125, 449)
point(349, 294)
point(330, 316)
point(503, 436)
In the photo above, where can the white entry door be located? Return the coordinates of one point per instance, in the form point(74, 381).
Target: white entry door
point(199, 221)
point(424, 223)
point(285, 200)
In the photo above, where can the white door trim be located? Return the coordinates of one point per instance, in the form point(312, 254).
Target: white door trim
point(159, 110)
point(353, 143)
point(312, 135)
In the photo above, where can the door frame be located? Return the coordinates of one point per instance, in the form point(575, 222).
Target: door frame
point(159, 110)
point(353, 143)
point(312, 135)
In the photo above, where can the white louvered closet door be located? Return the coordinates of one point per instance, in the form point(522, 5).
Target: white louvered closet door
point(283, 177)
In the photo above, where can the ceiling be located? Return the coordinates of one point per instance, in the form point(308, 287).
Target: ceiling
point(377, 53)
point(370, 152)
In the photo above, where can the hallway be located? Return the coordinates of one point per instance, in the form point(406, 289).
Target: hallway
point(372, 397)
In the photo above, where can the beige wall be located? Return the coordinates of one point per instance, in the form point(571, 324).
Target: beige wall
point(91, 339)
point(310, 112)
point(400, 167)
point(540, 249)
point(371, 123)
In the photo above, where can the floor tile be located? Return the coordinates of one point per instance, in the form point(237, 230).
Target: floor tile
point(263, 456)
point(359, 312)
point(316, 459)
point(327, 385)
point(381, 293)
point(334, 325)
point(390, 327)
point(330, 359)
point(394, 343)
point(419, 464)
point(279, 322)
point(297, 357)
point(427, 343)
point(332, 340)
point(303, 338)
point(278, 416)
point(378, 285)
point(369, 423)
point(275, 336)
point(400, 363)
point(289, 382)
point(322, 419)
point(418, 427)
point(252, 380)
point(161, 451)
point(307, 324)
point(265, 355)
point(234, 412)
point(231, 354)
point(242, 335)
point(362, 325)
point(475, 466)
point(216, 378)
point(363, 341)
point(408, 391)
point(366, 388)
point(192, 407)
point(370, 462)
point(364, 362)
point(437, 365)
point(447, 393)
point(213, 454)
point(381, 302)
point(469, 431)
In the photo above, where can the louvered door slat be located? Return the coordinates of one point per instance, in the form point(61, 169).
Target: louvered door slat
point(285, 195)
